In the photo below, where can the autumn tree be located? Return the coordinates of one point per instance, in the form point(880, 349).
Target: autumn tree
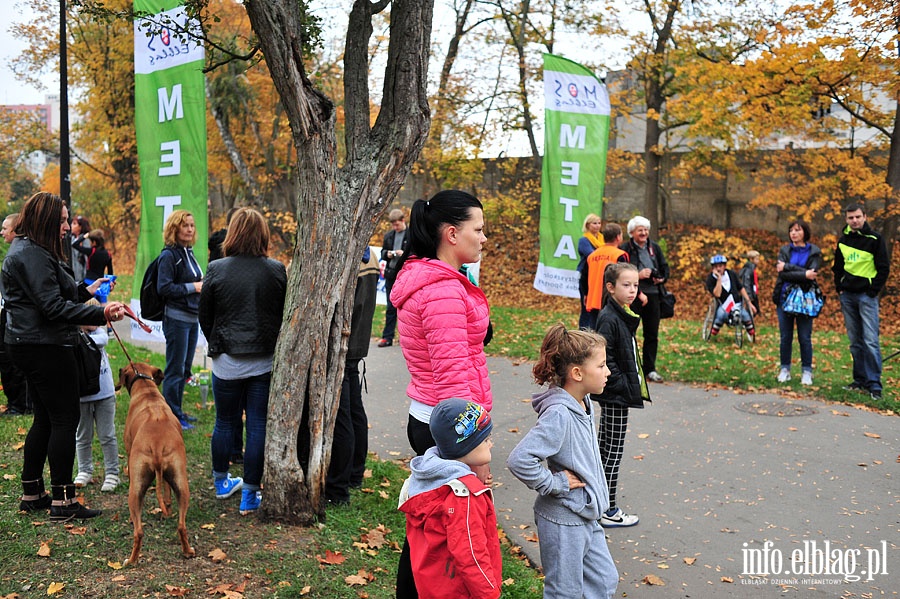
point(836, 68)
point(337, 208)
point(105, 169)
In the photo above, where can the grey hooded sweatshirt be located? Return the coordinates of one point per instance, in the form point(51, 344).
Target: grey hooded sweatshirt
point(430, 471)
point(563, 437)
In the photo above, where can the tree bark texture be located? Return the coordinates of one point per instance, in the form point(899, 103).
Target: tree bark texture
point(337, 213)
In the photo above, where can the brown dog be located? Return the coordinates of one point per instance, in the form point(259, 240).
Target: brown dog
point(155, 451)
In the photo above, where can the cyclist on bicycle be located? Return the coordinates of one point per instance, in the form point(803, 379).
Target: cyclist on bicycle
point(725, 286)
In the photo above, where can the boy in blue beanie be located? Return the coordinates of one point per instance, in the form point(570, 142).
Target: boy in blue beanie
point(451, 524)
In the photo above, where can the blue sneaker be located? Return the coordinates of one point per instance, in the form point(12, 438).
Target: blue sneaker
point(250, 501)
point(185, 425)
point(188, 417)
point(228, 486)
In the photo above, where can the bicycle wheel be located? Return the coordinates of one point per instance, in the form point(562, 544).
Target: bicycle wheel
point(708, 321)
point(738, 328)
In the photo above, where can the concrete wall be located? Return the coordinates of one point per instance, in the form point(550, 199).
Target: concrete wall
point(710, 201)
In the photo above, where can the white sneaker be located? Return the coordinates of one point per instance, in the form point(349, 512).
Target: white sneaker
point(83, 479)
point(616, 518)
point(806, 378)
point(784, 376)
point(654, 377)
point(110, 483)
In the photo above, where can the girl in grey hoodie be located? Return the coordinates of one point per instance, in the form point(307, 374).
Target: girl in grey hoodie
point(559, 459)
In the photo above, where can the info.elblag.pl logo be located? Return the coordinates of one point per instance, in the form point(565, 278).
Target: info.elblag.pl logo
point(817, 562)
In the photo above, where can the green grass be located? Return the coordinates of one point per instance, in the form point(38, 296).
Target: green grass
point(262, 559)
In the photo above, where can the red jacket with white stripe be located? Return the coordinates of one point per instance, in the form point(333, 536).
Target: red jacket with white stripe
point(453, 540)
point(443, 319)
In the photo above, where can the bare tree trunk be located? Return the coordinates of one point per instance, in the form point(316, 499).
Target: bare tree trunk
point(234, 153)
point(655, 82)
point(337, 212)
point(892, 203)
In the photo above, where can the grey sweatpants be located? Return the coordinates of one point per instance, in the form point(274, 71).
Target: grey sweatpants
point(103, 412)
point(576, 561)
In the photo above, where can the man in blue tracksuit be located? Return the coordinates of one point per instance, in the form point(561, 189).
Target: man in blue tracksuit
point(861, 268)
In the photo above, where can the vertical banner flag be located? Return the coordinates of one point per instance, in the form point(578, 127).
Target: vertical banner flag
point(576, 130)
point(170, 124)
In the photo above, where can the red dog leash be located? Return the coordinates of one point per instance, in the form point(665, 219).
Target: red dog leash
point(144, 326)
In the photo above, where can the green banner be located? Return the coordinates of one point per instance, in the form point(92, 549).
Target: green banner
point(576, 130)
point(170, 125)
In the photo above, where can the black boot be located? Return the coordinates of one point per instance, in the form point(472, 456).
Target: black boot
point(34, 498)
point(65, 505)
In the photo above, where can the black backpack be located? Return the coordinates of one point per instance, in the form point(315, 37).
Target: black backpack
point(153, 305)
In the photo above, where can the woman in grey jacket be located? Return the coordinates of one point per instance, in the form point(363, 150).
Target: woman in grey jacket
point(572, 492)
point(798, 264)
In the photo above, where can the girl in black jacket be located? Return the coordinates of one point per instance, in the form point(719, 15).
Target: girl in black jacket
point(626, 387)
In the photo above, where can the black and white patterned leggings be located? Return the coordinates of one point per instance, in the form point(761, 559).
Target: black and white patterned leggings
point(611, 437)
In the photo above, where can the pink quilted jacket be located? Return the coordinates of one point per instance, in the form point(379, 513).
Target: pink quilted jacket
point(442, 319)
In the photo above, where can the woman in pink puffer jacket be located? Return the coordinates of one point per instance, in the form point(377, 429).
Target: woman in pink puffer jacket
point(442, 318)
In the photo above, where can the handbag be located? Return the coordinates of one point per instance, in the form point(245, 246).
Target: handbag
point(87, 355)
point(804, 303)
point(666, 302)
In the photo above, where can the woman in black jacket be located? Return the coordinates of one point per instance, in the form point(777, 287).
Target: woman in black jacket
point(626, 386)
point(653, 270)
point(44, 308)
point(798, 264)
point(241, 308)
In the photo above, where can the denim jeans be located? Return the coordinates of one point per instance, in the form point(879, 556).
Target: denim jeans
point(228, 396)
point(861, 319)
point(722, 316)
point(181, 343)
point(786, 322)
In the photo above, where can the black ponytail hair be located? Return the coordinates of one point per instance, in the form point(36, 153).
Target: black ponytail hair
point(427, 220)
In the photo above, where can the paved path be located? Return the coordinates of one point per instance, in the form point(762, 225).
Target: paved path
point(706, 477)
point(709, 471)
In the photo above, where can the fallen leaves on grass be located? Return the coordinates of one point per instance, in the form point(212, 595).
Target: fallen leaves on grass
point(305, 590)
point(44, 550)
point(332, 558)
point(114, 565)
point(228, 591)
point(55, 587)
point(76, 530)
point(217, 555)
point(9, 477)
point(374, 538)
point(209, 526)
point(175, 591)
point(361, 578)
point(19, 445)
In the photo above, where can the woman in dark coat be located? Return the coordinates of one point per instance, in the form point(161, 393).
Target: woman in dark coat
point(798, 264)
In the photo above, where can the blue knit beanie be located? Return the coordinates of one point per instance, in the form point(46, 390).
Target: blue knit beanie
point(459, 426)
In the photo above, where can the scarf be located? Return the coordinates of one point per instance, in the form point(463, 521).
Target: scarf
point(596, 240)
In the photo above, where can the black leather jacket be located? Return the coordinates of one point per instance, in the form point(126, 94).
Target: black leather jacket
point(241, 305)
point(42, 301)
point(623, 388)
